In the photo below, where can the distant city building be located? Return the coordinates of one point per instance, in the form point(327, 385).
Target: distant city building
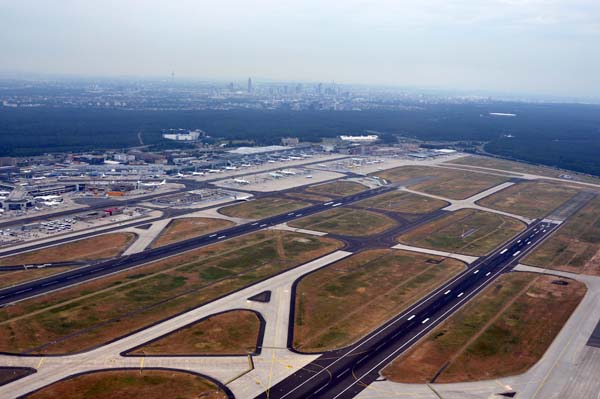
point(184, 135)
point(249, 85)
point(289, 141)
point(360, 139)
point(122, 157)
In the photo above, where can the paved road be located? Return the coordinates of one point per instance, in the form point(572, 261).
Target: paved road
point(167, 213)
point(346, 372)
point(51, 283)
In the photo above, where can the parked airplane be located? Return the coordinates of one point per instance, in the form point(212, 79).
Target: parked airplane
point(275, 175)
point(287, 172)
point(241, 181)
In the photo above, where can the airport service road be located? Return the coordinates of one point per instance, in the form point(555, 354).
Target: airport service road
point(346, 372)
point(69, 278)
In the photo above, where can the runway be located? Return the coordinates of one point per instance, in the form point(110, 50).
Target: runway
point(82, 274)
point(344, 373)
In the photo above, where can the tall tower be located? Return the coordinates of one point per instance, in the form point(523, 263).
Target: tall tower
point(249, 85)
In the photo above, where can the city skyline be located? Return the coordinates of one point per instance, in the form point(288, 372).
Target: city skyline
point(543, 47)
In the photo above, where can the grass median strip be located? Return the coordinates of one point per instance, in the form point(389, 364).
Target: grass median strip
point(533, 199)
point(444, 182)
point(503, 331)
point(575, 246)
point(511, 166)
point(230, 333)
point(147, 384)
point(338, 188)
point(342, 302)
point(263, 207)
point(346, 221)
point(90, 314)
point(93, 248)
point(184, 228)
point(403, 202)
point(467, 231)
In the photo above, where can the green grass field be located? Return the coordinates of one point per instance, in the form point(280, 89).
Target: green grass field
point(501, 332)
point(102, 310)
point(346, 221)
point(467, 231)
point(344, 301)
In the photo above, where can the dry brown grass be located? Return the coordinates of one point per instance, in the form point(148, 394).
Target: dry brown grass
point(346, 221)
point(262, 208)
point(575, 247)
point(503, 331)
point(444, 182)
point(230, 333)
point(99, 311)
point(93, 248)
point(338, 188)
point(338, 304)
point(307, 196)
point(184, 228)
point(533, 199)
point(511, 166)
point(467, 231)
point(403, 202)
point(21, 276)
point(132, 384)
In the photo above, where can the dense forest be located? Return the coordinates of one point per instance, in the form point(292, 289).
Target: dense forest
point(563, 135)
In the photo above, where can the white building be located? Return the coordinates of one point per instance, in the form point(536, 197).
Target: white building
point(184, 135)
point(360, 139)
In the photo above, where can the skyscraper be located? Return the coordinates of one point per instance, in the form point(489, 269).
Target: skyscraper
point(249, 85)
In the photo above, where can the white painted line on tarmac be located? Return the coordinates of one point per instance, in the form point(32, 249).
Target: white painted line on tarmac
point(411, 317)
point(447, 292)
point(425, 321)
point(459, 295)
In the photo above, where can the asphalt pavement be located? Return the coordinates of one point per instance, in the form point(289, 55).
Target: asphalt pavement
point(82, 274)
point(346, 372)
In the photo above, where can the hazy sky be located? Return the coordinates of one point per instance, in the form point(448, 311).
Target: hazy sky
point(536, 46)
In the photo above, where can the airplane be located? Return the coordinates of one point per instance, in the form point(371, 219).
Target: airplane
point(295, 158)
point(287, 172)
point(241, 181)
point(38, 178)
point(246, 165)
point(308, 176)
point(270, 161)
point(275, 175)
point(197, 173)
point(152, 184)
point(231, 167)
point(214, 171)
point(181, 175)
